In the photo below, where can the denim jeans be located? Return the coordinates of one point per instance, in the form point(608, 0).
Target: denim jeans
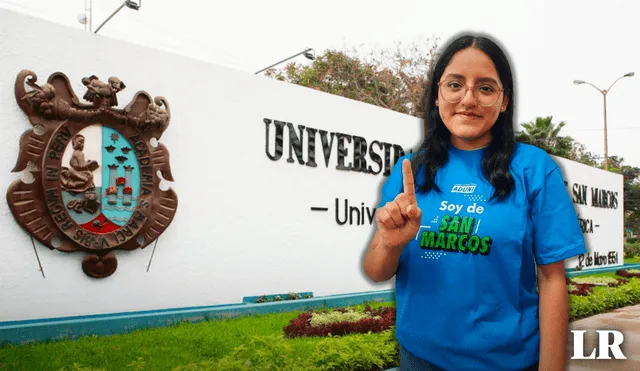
point(409, 362)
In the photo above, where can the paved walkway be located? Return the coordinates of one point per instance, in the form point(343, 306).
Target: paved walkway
point(625, 320)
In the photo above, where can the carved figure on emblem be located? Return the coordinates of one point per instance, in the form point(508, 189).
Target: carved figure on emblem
point(77, 179)
point(96, 186)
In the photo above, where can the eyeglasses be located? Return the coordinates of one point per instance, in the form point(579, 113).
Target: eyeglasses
point(485, 93)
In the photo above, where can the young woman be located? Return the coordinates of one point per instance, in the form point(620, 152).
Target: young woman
point(467, 221)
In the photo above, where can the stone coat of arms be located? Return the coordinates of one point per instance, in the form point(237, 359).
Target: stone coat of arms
point(95, 167)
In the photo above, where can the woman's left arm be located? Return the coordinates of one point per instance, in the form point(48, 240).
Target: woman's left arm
point(557, 236)
point(554, 316)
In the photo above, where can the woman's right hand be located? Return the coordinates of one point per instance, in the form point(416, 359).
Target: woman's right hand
point(399, 220)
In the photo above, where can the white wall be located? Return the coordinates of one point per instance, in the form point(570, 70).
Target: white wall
point(244, 225)
point(598, 199)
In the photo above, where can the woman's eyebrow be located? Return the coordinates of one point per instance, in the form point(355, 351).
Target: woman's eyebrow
point(482, 79)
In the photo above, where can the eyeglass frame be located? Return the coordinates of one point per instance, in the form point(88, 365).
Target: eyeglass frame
point(466, 89)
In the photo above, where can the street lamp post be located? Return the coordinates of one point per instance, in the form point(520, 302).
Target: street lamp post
point(307, 53)
point(128, 3)
point(604, 97)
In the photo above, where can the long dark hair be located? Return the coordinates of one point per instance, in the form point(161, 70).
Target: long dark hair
point(433, 152)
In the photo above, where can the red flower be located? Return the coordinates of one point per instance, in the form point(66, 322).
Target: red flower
point(112, 190)
point(120, 181)
point(127, 190)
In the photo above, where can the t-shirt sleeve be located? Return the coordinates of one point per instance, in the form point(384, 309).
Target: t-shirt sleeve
point(393, 185)
point(556, 230)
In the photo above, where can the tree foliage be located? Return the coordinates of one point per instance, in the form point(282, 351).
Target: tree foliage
point(631, 196)
point(393, 79)
point(544, 134)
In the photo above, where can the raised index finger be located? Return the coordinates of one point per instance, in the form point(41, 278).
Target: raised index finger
point(407, 177)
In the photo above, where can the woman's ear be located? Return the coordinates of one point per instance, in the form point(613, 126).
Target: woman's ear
point(505, 103)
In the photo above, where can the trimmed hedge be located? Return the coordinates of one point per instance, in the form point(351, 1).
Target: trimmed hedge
point(628, 273)
point(604, 299)
point(599, 280)
point(580, 289)
point(350, 315)
point(583, 286)
point(379, 319)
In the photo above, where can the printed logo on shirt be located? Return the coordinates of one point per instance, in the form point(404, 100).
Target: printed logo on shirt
point(455, 233)
point(463, 188)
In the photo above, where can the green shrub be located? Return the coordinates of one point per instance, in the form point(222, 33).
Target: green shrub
point(360, 352)
point(260, 353)
point(631, 249)
point(604, 299)
point(351, 353)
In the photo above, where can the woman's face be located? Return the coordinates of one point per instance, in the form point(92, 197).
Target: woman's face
point(469, 122)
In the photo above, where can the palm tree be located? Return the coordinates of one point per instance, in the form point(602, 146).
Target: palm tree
point(544, 134)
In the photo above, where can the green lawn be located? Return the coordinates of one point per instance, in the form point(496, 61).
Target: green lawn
point(180, 348)
point(635, 260)
point(607, 274)
point(161, 348)
point(613, 274)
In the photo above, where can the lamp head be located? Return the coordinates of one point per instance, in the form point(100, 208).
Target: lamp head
point(310, 54)
point(629, 74)
point(578, 82)
point(133, 5)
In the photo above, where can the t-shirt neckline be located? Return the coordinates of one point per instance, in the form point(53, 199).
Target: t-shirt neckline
point(467, 152)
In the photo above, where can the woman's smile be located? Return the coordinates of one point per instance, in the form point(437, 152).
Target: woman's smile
point(469, 115)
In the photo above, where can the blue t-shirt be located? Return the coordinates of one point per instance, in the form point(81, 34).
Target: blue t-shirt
point(466, 295)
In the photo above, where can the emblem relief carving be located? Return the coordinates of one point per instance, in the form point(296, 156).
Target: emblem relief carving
point(96, 184)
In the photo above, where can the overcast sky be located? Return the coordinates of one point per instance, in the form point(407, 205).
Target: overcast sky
point(551, 43)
